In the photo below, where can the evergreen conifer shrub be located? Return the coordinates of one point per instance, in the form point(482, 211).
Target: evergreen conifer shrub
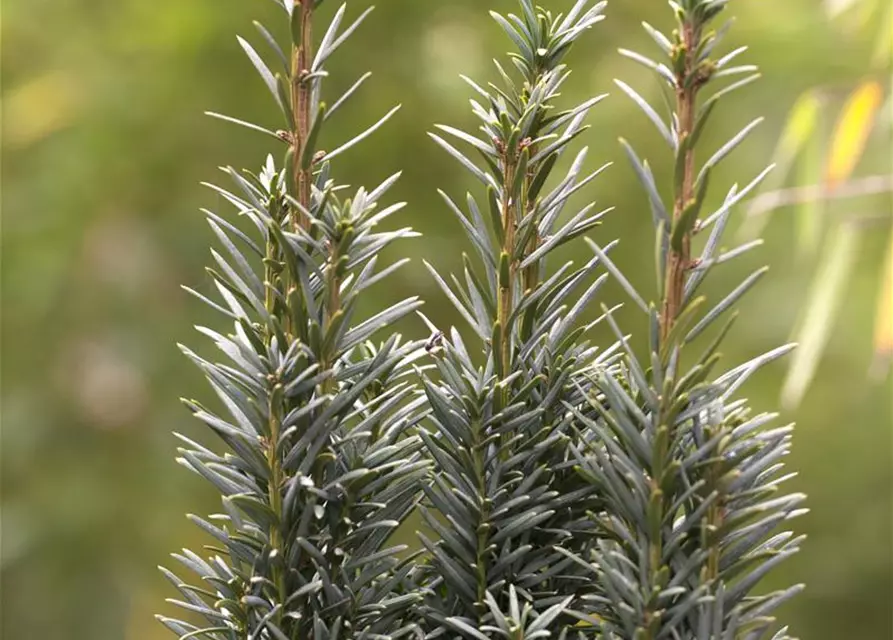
point(568, 489)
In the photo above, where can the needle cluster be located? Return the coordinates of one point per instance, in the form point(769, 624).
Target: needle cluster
point(567, 489)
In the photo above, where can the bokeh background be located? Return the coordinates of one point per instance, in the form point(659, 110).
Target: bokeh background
point(104, 146)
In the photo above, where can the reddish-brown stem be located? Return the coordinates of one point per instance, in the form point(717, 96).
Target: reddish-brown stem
point(530, 278)
point(689, 82)
point(302, 58)
point(679, 261)
point(506, 291)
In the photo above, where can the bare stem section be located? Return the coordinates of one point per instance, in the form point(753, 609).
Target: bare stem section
point(301, 59)
point(507, 265)
point(679, 258)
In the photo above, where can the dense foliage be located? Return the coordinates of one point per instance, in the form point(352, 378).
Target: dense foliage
point(565, 487)
point(323, 464)
point(104, 141)
point(505, 488)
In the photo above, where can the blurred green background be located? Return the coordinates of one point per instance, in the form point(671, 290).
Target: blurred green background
point(104, 146)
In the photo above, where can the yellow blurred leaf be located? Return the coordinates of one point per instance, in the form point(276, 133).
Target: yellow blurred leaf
point(40, 107)
point(883, 48)
point(851, 132)
point(800, 125)
point(799, 129)
point(810, 220)
point(820, 310)
point(883, 330)
point(836, 7)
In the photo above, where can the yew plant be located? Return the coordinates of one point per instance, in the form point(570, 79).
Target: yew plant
point(566, 488)
point(692, 478)
point(322, 463)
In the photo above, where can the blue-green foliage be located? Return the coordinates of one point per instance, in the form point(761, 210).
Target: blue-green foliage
point(566, 489)
point(690, 476)
point(322, 463)
point(505, 496)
